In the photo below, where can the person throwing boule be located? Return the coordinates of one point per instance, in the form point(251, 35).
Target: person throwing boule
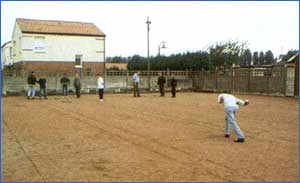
point(231, 104)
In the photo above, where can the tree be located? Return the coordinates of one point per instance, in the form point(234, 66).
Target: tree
point(269, 58)
point(224, 54)
point(191, 61)
point(246, 58)
point(255, 58)
point(261, 58)
point(285, 57)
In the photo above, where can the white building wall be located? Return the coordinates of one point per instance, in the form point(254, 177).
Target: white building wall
point(16, 43)
point(6, 55)
point(63, 48)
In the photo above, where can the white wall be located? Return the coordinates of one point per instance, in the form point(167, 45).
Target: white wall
point(16, 43)
point(6, 55)
point(62, 48)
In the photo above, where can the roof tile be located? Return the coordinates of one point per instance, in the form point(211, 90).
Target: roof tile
point(58, 27)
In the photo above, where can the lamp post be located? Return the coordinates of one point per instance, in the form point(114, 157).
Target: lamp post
point(148, 65)
point(163, 44)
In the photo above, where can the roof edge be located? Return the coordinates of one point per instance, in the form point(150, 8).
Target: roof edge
point(292, 57)
point(69, 34)
point(6, 43)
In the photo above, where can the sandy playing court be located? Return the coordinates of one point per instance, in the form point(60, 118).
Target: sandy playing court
point(147, 139)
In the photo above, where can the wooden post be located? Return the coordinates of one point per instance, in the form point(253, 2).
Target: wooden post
point(284, 78)
point(232, 80)
point(249, 78)
point(127, 79)
point(216, 78)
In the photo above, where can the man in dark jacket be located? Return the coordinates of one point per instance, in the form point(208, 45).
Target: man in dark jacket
point(161, 83)
point(31, 80)
point(173, 83)
point(77, 85)
point(65, 81)
point(43, 91)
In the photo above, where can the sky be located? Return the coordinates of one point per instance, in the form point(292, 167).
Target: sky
point(184, 26)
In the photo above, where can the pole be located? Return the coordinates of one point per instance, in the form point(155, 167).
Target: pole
point(104, 60)
point(148, 68)
point(159, 50)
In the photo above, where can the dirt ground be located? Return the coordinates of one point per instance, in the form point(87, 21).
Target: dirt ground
point(150, 138)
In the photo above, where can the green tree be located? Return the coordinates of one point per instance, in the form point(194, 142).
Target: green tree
point(224, 54)
point(269, 58)
point(261, 58)
point(255, 58)
point(285, 57)
point(246, 58)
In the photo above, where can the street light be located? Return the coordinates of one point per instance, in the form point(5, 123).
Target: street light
point(148, 68)
point(163, 44)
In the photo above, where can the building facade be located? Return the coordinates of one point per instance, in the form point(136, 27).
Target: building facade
point(7, 54)
point(57, 46)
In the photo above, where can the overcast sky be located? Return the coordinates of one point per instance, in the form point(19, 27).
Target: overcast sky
point(185, 26)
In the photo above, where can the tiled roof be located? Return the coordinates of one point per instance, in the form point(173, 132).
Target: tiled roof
point(58, 27)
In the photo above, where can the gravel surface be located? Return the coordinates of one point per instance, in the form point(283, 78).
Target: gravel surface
point(150, 138)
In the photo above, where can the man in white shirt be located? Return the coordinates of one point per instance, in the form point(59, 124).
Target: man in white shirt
point(136, 80)
point(100, 84)
point(231, 104)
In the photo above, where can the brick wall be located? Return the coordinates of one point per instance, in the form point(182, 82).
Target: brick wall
point(44, 66)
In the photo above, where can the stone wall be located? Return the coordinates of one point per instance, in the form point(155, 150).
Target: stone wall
point(277, 80)
point(114, 82)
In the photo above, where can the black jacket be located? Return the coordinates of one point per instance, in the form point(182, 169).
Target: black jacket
point(173, 82)
point(161, 80)
point(65, 81)
point(77, 83)
point(42, 82)
point(31, 80)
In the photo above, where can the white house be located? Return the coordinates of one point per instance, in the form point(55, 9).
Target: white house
point(6, 54)
point(48, 45)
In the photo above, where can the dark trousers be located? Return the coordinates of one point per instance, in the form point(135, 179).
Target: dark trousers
point(173, 91)
point(77, 92)
point(43, 92)
point(100, 91)
point(65, 90)
point(162, 90)
point(136, 91)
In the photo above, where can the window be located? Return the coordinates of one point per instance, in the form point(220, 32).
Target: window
point(78, 61)
point(11, 52)
point(27, 43)
point(39, 44)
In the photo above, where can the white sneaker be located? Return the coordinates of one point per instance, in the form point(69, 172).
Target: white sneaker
point(101, 100)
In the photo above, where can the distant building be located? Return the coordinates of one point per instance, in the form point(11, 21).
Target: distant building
point(58, 46)
point(294, 60)
point(7, 54)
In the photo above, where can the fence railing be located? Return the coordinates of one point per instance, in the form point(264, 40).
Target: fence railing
point(268, 80)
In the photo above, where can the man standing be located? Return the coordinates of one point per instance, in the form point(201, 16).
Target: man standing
point(100, 84)
point(77, 85)
point(173, 86)
point(43, 91)
point(136, 80)
point(31, 80)
point(161, 83)
point(65, 81)
point(230, 107)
